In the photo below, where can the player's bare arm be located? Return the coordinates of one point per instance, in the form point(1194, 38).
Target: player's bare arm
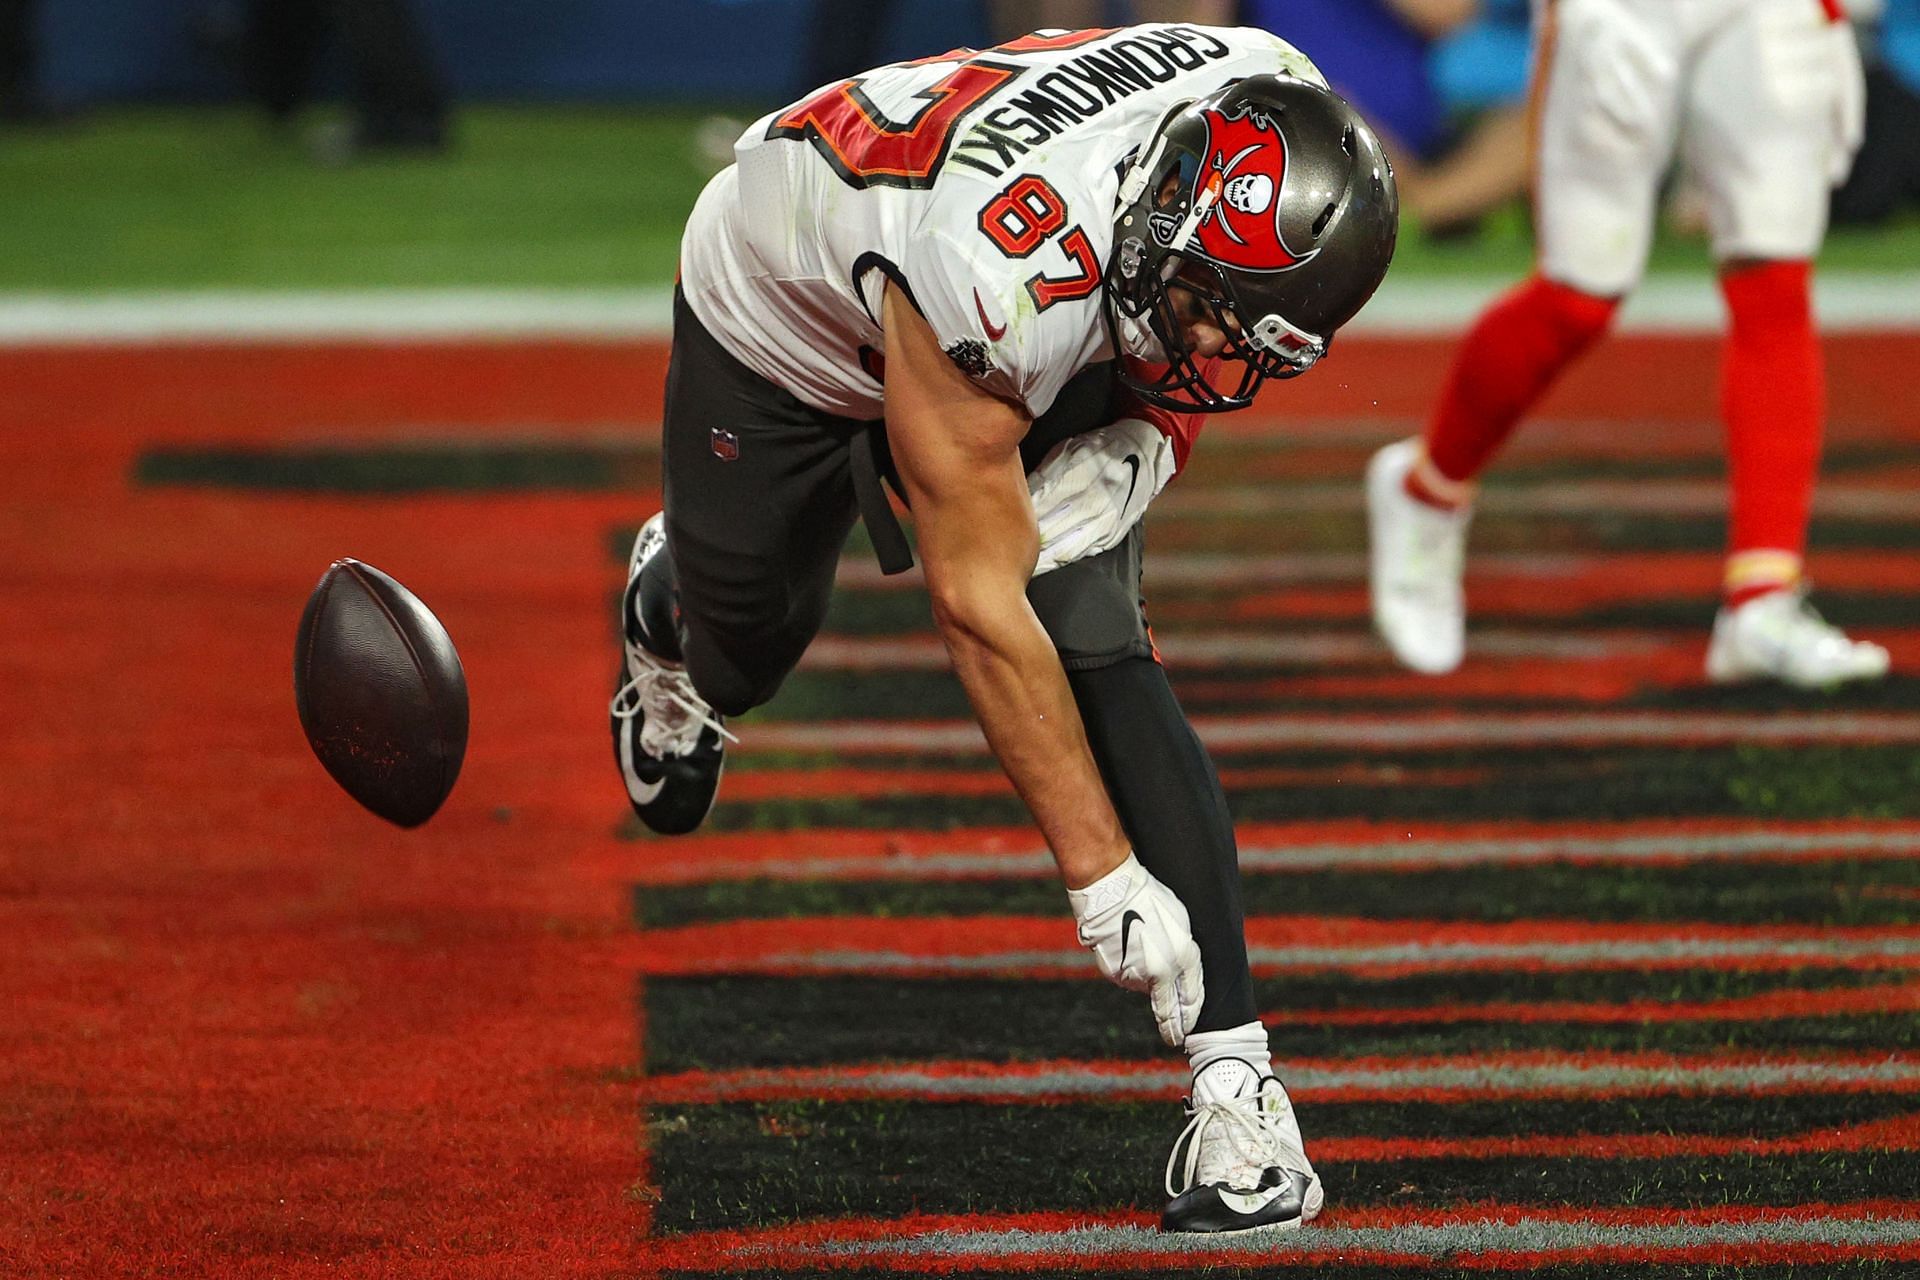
point(958, 451)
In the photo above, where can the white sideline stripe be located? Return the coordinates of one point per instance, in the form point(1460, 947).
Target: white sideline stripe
point(253, 316)
point(962, 737)
point(1409, 306)
point(1585, 498)
point(1451, 1240)
point(1845, 301)
point(1901, 951)
point(1464, 1076)
point(1228, 650)
point(1732, 846)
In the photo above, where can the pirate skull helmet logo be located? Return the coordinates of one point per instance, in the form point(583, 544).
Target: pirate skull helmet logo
point(1235, 203)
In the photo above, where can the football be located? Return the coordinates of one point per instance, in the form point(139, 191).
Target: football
point(381, 693)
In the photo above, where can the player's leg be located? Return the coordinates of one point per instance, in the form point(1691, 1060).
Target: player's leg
point(1168, 795)
point(730, 583)
point(1162, 781)
point(1606, 86)
point(398, 93)
point(1761, 134)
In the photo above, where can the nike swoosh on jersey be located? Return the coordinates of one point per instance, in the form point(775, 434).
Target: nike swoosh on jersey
point(1133, 464)
point(1127, 922)
point(994, 332)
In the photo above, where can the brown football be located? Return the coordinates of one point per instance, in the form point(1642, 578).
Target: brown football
point(381, 693)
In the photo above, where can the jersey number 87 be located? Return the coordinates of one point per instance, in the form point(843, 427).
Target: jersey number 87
point(1025, 216)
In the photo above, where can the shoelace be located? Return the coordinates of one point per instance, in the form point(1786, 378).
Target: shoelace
point(1249, 1128)
point(677, 712)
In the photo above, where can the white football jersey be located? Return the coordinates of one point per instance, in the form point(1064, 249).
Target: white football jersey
point(982, 183)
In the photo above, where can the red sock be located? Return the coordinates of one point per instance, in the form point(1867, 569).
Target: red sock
point(1773, 396)
point(1509, 359)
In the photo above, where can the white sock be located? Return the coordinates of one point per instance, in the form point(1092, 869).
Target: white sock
point(1247, 1043)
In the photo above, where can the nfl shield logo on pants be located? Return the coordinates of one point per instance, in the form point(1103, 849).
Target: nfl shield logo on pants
point(726, 445)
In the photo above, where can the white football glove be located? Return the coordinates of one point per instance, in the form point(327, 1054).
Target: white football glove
point(1092, 488)
point(1142, 940)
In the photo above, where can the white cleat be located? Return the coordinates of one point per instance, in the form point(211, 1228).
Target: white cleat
point(1243, 1163)
point(1779, 636)
point(1416, 566)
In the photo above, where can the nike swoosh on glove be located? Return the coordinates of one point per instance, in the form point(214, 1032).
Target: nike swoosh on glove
point(1091, 489)
point(1142, 940)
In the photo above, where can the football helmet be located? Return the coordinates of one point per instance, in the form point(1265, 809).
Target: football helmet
point(1272, 205)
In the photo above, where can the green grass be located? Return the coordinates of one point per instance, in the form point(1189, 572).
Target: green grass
point(531, 196)
point(211, 198)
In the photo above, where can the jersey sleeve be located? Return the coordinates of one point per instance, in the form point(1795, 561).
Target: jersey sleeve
point(989, 322)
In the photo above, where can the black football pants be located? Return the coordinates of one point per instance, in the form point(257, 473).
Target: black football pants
point(759, 502)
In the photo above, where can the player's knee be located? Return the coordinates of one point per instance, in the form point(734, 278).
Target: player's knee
point(736, 671)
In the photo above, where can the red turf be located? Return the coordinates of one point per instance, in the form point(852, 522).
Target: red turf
point(252, 1031)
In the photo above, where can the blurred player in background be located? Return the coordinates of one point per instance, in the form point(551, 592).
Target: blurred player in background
point(21, 101)
point(1011, 279)
point(1380, 56)
point(1764, 96)
point(397, 97)
point(1886, 175)
point(1011, 18)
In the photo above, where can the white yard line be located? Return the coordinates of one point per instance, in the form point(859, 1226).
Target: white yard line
point(1396, 733)
point(1459, 1078)
point(1320, 856)
point(1441, 1242)
point(1883, 950)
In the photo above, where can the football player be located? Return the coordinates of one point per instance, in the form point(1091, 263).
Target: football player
point(1765, 96)
point(1045, 257)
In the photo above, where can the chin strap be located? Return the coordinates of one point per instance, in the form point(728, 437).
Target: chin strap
point(1277, 336)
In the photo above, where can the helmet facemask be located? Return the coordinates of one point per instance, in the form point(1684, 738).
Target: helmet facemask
point(1205, 231)
point(1272, 348)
